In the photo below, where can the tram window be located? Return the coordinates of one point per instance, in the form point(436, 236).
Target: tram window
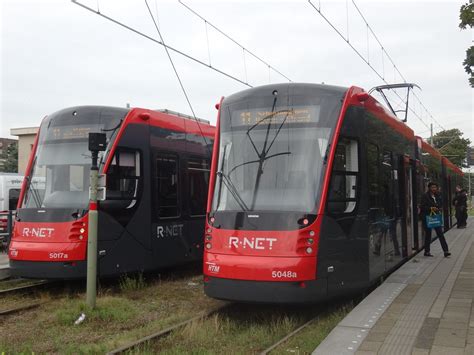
point(198, 180)
point(167, 186)
point(77, 180)
point(387, 184)
point(373, 176)
point(122, 178)
point(343, 186)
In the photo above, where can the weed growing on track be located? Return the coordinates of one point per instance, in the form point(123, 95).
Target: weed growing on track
point(309, 338)
point(132, 283)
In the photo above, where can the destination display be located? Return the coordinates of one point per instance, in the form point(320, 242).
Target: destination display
point(72, 132)
point(298, 114)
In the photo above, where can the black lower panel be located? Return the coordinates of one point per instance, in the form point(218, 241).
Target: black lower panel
point(266, 291)
point(48, 270)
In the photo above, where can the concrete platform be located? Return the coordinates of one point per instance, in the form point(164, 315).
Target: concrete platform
point(425, 307)
point(4, 266)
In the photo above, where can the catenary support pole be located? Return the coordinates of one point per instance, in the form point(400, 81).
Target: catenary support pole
point(431, 134)
point(92, 235)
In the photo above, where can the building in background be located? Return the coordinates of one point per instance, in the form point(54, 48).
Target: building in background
point(26, 140)
point(4, 144)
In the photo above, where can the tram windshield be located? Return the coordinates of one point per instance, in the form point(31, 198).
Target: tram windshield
point(60, 172)
point(272, 152)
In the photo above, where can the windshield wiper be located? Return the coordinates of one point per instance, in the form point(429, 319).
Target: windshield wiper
point(263, 155)
point(273, 113)
point(231, 187)
point(257, 161)
point(29, 186)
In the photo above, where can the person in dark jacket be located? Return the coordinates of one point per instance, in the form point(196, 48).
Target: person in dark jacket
point(460, 204)
point(431, 202)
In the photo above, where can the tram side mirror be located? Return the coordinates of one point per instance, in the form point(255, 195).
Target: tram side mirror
point(97, 142)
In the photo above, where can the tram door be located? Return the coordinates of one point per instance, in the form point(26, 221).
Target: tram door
point(407, 207)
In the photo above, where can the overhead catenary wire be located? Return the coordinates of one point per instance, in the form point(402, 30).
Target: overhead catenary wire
point(378, 41)
point(178, 77)
point(234, 41)
point(367, 61)
point(393, 63)
point(381, 76)
point(188, 56)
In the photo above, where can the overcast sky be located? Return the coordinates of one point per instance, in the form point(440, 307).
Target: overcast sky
point(55, 54)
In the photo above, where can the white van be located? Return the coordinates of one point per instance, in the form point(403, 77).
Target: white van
point(10, 187)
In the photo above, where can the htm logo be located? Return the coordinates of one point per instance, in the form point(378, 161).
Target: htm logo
point(211, 267)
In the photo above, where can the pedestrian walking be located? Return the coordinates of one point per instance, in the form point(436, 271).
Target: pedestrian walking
point(431, 205)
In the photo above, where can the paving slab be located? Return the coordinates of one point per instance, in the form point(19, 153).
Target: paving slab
point(425, 307)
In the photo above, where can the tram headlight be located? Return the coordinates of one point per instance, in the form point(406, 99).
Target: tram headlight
point(208, 245)
point(208, 237)
point(311, 233)
point(82, 230)
point(309, 250)
point(310, 241)
point(209, 230)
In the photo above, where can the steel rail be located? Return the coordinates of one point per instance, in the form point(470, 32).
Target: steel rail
point(166, 331)
point(28, 287)
point(288, 336)
point(21, 308)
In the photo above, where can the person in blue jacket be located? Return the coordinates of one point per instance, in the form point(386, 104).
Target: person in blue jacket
point(431, 203)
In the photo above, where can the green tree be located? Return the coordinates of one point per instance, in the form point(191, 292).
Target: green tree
point(10, 159)
point(466, 16)
point(451, 144)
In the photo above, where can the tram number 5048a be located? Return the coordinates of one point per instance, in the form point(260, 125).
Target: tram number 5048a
point(284, 274)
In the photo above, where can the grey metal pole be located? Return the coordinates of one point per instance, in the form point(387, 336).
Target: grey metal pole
point(470, 196)
point(431, 134)
point(92, 235)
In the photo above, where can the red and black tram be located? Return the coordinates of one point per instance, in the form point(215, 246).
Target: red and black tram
point(157, 171)
point(313, 194)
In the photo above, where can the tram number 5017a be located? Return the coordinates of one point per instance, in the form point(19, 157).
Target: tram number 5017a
point(284, 274)
point(58, 256)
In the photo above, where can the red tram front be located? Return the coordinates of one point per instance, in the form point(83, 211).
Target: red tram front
point(311, 194)
point(157, 171)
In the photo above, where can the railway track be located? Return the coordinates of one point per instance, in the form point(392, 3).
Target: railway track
point(24, 287)
point(26, 307)
point(288, 336)
point(162, 333)
point(12, 285)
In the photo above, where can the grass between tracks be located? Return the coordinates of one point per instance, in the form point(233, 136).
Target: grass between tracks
point(119, 318)
point(141, 308)
point(250, 329)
